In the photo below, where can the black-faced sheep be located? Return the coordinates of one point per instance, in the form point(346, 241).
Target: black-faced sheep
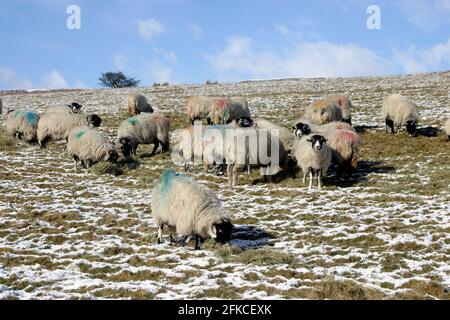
point(399, 111)
point(143, 129)
point(56, 126)
point(22, 124)
point(189, 209)
point(313, 157)
point(70, 108)
point(89, 146)
point(322, 112)
point(137, 103)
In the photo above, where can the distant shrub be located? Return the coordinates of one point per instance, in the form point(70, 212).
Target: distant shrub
point(210, 82)
point(157, 84)
point(165, 84)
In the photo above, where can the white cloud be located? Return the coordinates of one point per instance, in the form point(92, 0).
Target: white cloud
point(427, 15)
point(53, 80)
point(120, 61)
point(10, 80)
point(239, 59)
point(150, 28)
point(196, 29)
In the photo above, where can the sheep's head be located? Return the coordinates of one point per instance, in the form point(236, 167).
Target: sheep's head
point(112, 156)
point(75, 107)
point(94, 120)
point(245, 122)
point(150, 108)
point(411, 127)
point(221, 232)
point(301, 129)
point(125, 145)
point(317, 142)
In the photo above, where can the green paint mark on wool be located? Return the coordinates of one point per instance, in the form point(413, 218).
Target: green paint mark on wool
point(79, 134)
point(133, 121)
point(167, 177)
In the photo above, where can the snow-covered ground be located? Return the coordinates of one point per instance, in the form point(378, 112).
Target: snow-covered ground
point(384, 233)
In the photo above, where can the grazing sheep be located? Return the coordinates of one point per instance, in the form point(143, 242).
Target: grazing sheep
point(89, 146)
point(447, 128)
point(56, 126)
point(287, 138)
point(189, 209)
point(217, 110)
point(253, 147)
point(143, 129)
point(346, 107)
point(342, 139)
point(399, 111)
point(313, 157)
point(22, 124)
point(322, 112)
point(137, 104)
point(70, 108)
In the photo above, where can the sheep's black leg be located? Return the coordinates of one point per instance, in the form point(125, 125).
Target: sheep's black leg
point(197, 242)
point(208, 120)
point(160, 232)
point(76, 159)
point(88, 164)
point(155, 147)
point(165, 147)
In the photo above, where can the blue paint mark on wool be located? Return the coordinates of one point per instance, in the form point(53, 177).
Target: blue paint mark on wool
point(133, 121)
point(31, 117)
point(167, 177)
point(79, 134)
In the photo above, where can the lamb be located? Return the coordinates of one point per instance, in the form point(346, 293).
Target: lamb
point(322, 112)
point(89, 146)
point(346, 107)
point(189, 209)
point(287, 138)
point(342, 139)
point(137, 104)
point(255, 147)
point(447, 128)
point(56, 126)
point(314, 158)
point(70, 108)
point(143, 129)
point(22, 124)
point(399, 111)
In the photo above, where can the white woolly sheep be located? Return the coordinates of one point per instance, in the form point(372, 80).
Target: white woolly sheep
point(447, 129)
point(22, 124)
point(217, 110)
point(313, 157)
point(137, 103)
point(342, 139)
point(346, 106)
point(56, 126)
point(70, 108)
point(322, 112)
point(89, 146)
point(189, 209)
point(253, 147)
point(143, 129)
point(399, 111)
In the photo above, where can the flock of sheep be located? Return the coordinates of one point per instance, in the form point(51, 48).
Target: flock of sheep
point(322, 135)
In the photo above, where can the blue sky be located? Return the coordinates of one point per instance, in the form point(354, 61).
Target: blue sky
point(190, 41)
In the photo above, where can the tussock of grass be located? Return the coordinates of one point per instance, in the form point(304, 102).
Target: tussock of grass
point(103, 168)
point(344, 290)
point(256, 256)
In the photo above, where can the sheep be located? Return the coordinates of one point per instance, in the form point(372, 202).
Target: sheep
point(89, 146)
point(189, 209)
point(447, 128)
point(56, 126)
point(217, 110)
point(346, 107)
point(287, 138)
point(70, 108)
point(224, 111)
point(399, 111)
point(342, 139)
point(137, 104)
point(143, 129)
point(22, 124)
point(322, 112)
point(256, 147)
point(313, 157)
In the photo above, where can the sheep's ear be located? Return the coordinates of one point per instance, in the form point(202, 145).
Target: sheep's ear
point(309, 140)
point(213, 231)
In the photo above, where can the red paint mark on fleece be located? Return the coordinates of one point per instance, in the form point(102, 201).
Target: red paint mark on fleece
point(220, 102)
